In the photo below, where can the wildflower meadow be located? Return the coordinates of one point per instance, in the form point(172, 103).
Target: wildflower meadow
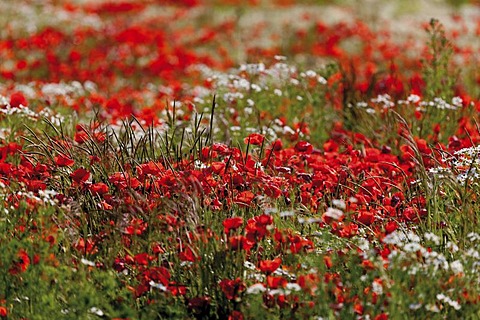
point(234, 159)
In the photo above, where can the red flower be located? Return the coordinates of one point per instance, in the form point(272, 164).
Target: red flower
point(244, 198)
point(236, 315)
point(276, 282)
point(99, 188)
point(142, 259)
point(240, 242)
point(104, 205)
point(366, 217)
point(303, 146)
point(136, 227)
point(308, 282)
point(268, 266)
point(232, 288)
point(17, 99)
point(272, 191)
point(328, 262)
point(264, 219)
point(390, 227)
point(36, 185)
point(21, 265)
point(81, 137)
point(122, 180)
point(410, 214)
point(382, 316)
point(152, 168)
point(232, 224)
point(63, 161)
point(187, 255)
point(80, 175)
point(255, 139)
point(3, 311)
point(277, 145)
point(176, 289)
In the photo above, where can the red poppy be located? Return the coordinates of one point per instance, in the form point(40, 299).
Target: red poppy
point(232, 224)
point(177, 290)
point(187, 255)
point(255, 139)
point(64, 161)
point(277, 145)
point(366, 217)
point(3, 311)
point(136, 227)
point(99, 188)
point(304, 147)
point(268, 266)
point(158, 274)
point(122, 180)
point(328, 262)
point(236, 315)
point(410, 214)
point(264, 219)
point(240, 242)
point(276, 282)
point(308, 282)
point(142, 259)
point(232, 288)
point(391, 226)
point(104, 205)
point(36, 185)
point(81, 137)
point(80, 175)
point(244, 198)
point(21, 264)
point(272, 191)
point(152, 168)
point(382, 316)
point(17, 98)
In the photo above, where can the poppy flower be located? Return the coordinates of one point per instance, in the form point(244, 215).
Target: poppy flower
point(17, 98)
point(236, 315)
point(382, 316)
point(272, 191)
point(304, 147)
point(142, 259)
point(21, 264)
point(80, 175)
point(136, 227)
point(255, 139)
point(269, 266)
point(366, 217)
point(276, 282)
point(36, 185)
point(244, 198)
point(390, 227)
point(328, 261)
point(264, 219)
point(277, 145)
point(99, 188)
point(149, 168)
point(81, 137)
point(158, 274)
point(232, 224)
point(64, 161)
point(187, 255)
point(240, 243)
point(232, 288)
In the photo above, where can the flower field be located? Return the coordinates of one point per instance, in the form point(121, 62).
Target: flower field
point(229, 159)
